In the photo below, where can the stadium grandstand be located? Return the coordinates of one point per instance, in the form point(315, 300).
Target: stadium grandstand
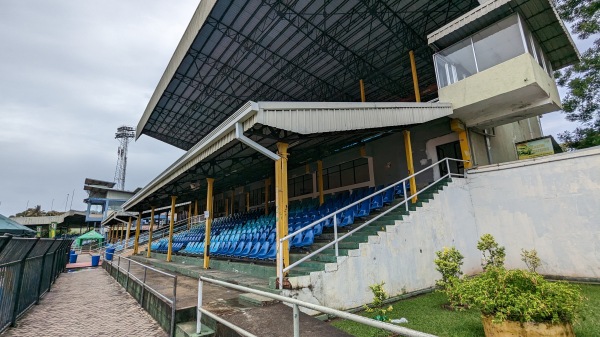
point(329, 143)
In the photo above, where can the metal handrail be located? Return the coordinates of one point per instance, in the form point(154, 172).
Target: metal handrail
point(145, 287)
point(296, 312)
point(336, 240)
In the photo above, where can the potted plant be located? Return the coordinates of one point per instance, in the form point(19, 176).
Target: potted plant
point(517, 302)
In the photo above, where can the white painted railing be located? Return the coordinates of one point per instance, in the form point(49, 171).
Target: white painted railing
point(407, 197)
point(402, 331)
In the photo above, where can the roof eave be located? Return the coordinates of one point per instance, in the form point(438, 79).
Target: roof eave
point(198, 19)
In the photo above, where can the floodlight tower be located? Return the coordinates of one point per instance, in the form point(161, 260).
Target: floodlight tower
point(124, 134)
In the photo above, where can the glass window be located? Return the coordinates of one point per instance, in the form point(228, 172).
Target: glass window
point(346, 174)
point(498, 43)
point(300, 185)
point(455, 63)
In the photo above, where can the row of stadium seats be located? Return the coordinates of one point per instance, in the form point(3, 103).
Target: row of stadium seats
point(251, 235)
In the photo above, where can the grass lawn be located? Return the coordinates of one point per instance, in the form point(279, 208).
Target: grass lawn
point(425, 313)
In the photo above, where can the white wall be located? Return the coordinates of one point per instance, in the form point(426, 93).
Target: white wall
point(551, 204)
point(402, 256)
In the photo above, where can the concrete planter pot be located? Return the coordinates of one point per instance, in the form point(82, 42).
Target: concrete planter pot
point(518, 329)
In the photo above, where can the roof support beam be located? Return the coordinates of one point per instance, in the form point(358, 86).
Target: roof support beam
point(239, 134)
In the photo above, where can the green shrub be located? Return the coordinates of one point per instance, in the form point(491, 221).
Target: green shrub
point(448, 263)
point(531, 259)
point(493, 254)
point(519, 295)
point(379, 297)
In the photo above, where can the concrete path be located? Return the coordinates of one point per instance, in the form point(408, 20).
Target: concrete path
point(87, 302)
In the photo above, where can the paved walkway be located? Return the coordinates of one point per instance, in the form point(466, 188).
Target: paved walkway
point(86, 303)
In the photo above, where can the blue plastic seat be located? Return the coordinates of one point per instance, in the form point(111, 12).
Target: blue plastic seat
point(271, 253)
point(377, 201)
point(297, 240)
point(308, 239)
point(246, 249)
point(263, 250)
point(318, 229)
point(364, 209)
point(254, 251)
point(388, 196)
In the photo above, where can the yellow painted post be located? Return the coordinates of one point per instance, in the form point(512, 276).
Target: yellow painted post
point(136, 243)
point(196, 210)
point(122, 232)
point(267, 188)
point(247, 201)
point(459, 127)
point(413, 67)
point(320, 182)
point(189, 216)
point(410, 164)
point(209, 208)
point(171, 225)
point(149, 250)
point(281, 202)
point(363, 98)
point(127, 233)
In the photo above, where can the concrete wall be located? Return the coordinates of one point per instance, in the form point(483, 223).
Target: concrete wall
point(402, 256)
point(551, 204)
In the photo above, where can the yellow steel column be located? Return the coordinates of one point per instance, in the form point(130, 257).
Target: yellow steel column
point(247, 201)
point(209, 208)
point(459, 127)
point(136, 243)
point(189, 216)
point(267, 188)
point(122, 232)
point(281, 202)
point(320, 182)
point(196, 210)
point(413, 67)
point(363, 98)
point(128, 233)
point(171, 225)
point(149, 250)
point(409, 163)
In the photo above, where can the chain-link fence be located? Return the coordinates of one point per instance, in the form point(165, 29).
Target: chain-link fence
point(28, 268)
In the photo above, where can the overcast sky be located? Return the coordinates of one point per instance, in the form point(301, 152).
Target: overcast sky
point(71, 72)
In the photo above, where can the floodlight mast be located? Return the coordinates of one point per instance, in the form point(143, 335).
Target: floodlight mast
point(124, 134)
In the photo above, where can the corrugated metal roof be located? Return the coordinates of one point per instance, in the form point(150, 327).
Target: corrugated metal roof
point(302, 118)
point(236, 51)
point(540, 16)
point(310, 117)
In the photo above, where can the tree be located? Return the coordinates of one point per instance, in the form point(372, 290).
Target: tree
point(582, 80)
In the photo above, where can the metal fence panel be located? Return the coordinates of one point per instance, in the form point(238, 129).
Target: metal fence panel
point(28, 266)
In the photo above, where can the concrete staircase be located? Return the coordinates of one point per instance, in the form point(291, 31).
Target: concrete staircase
point(318, 262)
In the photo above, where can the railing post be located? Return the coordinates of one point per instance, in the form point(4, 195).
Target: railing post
point(405, 196)
point(19, 283)
point(128, 276)
point(280, 263)
point(174, 308)
point(199, 313)
point(143, 287)
point(335, 235)
point(448, 168)
point(296, 320)
point(39, 289)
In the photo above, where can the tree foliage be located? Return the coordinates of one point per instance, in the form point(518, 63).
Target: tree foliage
point(582, 80)
point(36, 211)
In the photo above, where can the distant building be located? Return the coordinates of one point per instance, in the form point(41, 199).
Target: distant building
point(103, 198)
